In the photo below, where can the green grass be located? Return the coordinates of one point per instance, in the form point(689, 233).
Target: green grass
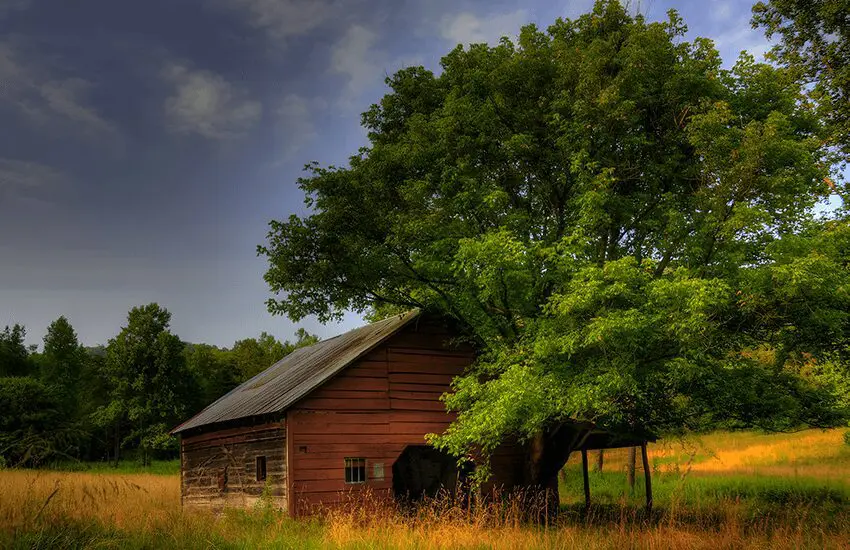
point(252, 533)
point(156, 467)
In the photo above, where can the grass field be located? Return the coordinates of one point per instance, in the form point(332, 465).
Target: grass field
point(741, 490)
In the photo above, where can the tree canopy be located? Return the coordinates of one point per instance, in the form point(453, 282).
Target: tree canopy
point(624, 228)
point(814, 41)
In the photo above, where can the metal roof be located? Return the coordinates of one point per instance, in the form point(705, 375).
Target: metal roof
point(297, 374)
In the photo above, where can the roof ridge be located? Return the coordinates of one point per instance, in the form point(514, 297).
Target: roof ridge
point(297, 374)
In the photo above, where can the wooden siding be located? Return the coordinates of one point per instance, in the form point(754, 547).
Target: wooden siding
point(373, 410)
point(205, 456)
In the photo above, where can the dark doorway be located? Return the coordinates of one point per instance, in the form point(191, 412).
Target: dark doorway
point(422, 471)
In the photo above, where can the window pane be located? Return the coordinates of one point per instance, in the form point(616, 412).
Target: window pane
point(355, 470)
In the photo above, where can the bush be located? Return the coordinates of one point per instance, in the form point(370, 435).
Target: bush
point(847, 437)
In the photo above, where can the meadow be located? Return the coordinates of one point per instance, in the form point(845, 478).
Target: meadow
point(741, 490)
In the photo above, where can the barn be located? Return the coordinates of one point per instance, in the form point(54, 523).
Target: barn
point(340, 416)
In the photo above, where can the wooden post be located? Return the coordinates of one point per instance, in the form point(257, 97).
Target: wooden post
point(600, 458)
point(647, 474)
point(586, 479)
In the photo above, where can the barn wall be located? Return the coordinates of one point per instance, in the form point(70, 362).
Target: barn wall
point(372, 410)
point(205, 457)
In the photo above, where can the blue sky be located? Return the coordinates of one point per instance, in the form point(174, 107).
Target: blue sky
point(144, 146)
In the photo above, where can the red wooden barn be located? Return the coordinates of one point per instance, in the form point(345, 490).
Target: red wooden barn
point(345, 414)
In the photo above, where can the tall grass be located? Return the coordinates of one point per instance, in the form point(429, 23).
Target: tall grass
point(711, 508)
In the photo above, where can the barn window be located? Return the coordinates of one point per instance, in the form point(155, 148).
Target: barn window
point(261, 468)
point(355, 470)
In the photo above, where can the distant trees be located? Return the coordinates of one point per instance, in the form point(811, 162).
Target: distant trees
point(252, 356)
point(103, 402)
point(62, 359)
point(150, 389)
point(14, 356)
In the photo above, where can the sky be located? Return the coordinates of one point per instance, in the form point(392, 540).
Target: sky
point(145, 146)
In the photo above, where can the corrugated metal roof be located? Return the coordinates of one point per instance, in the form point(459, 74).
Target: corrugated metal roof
point(297, 374)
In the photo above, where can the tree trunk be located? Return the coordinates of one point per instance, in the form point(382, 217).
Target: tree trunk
point(630, 473)
point(547, 453)
point(600, 458)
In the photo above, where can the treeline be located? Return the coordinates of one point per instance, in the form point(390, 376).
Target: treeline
point(69, 402)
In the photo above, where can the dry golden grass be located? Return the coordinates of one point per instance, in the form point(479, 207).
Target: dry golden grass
point(138, 500)
point(814, 454)
point(55, 509)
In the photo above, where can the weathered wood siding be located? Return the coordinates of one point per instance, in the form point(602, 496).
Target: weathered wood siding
point(373, 409)
point(208, 457)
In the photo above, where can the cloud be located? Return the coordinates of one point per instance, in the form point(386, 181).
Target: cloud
point(27, 181)
point(206, 104)
point(741, 37)
point(468, 28)
point(282, 19)
point(295, 123)
point(720, 11)
point(30, 89)
point(354, 56)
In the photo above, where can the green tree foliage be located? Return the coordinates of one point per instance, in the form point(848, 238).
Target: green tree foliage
point(14, 355)
point(814, 40)
point(30, 413)
point(93, 403)
point(150, 389)
point(61, 361)
point(251, 356)
point(590, 203)
point(214, 369)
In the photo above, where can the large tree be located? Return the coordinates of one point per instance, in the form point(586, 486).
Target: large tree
point(150, 387)
point(591, 204)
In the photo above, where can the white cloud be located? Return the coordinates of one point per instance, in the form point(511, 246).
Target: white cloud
point(27, 181)
point(741, 37)
point(206, 104)
point(282, 19)
point(468, 28)
point(720, 11)
point(354, 56)
point(295, 123)
point(29, 88)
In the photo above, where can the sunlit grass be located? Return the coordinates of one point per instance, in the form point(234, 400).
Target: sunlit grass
point(741, 490)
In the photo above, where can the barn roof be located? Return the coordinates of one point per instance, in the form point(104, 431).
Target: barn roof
point(297, 374)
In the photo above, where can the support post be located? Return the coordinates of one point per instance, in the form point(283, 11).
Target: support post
point(647, 473)
point(586, 479)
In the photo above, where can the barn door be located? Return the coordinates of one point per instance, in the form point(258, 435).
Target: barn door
point(425, 472)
